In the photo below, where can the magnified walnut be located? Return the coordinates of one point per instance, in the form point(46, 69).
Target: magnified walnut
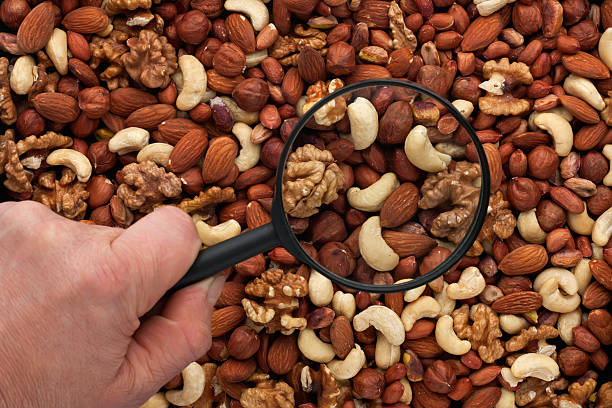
point(213, 196)
point(454, 188)
point(483, 334)
point(311, 179)
point(521, 340)
point(402, 35)
point(17, 179)
point(66, 196)
point(280, 291)
point(502, 77)
point(152, 186)
point(8, 112)
point(499, 222)
point(290, 44)
point(539, 393)
point(332, 111)
point(151, 59)
point(50, 140)
point(118, 6)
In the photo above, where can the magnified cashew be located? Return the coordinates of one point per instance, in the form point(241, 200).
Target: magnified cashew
point(364, 123)
point(239, 114)
point(313, 348)
point(471, 283)
point(580, 223)
point(384, 320)
point(406, 397)
point(422, 154)
point(127, 140)
point(255, 9)
point(582, 272)
point(194, 82)
point(464, 107)
point(72, 159)
point(156, 401)
point(193, 386)
point(565, 324)
point(535, 365)
point(584, 89)
point(23, 75)
point(448, 340)
point(371, 199)
point(253, 59)
point(453, 150)
point(350, 366)
point(529, 228)
point(156, 152)
point(559, 110)
point(425, 306)
point(385, 353)
point(506, 400)
point(412, 294)
point(559, 129)
point(249, 154)
point(447, 305)
point(344, 304)
point(548, 283)
point(373, 248)
point(212, 235)
point(320, 289)
point(512, 324)
point(57, 50)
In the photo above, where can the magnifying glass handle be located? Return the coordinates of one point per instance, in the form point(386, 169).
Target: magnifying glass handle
point(228, 253)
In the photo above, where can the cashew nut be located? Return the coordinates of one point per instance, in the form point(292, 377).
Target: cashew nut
point(320, 289)
point(72, 159)
point(371, 199)
point(373, 248)
point(582, 272)
point(313, 348)
point(255, 9)
point(597, 251)
point(605, 47)
point(384, 320)
point(194, 82)
point(156, 152)
point(512, 324)
point(607, 151)
point(464, 107)
point(447, 338)
point(344, 304)
point(421, 153)
point(299, 107)
point(23, 75)
point(535, 365)
point(507, 375)
point(249, 153)
point(364, 123)
point(581, 223)
point(559, 129)
point(385, 353)
point(447, 305)
point(529, 227)
point(193, 386)
point(254, 58)
point(565, 324)
point(584, 89)
point(470, 284)
point(406, 397)
point(131, 139)
point(411, 294)
point(506, 400)
point(425, 306)
point(602, 229)
point(239, 114)
point(156, 401)
point(488, 7)
point(57, 50)
point(559, 110)
point(350, 366)
point(212, 235)
point(547, 284)
point(453, 150)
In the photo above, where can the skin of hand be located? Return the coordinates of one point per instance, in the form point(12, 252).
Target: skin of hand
point(73, 299)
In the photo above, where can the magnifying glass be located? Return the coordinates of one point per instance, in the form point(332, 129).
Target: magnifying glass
point(396, 117)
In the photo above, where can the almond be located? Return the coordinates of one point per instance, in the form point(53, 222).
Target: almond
point(283, 354)
point(149, 117)
point(86, 20)
point(585, 65)
point(222, 84)
point(231, 294)
point(219, 159)
point(589, 136)
point(424, 398)
point(256, 216)
point(124, 101)
point(367, 71)
point(580, 110)
point(240, 32)
point(596, 296)
point(188, 151)
point(485, 375)
point(400, 206)
point(407, 244)
point(78, 45)
point(292, 86)
point(341, 335)
point(585, 340)
point(426, 347)
point(172, 130)
point(495, 165)
point(483, 398)
point(243, 343)
point(602, 272)
point(36, 28)
point(518, 302)
point(529, 140)
point(375, 13)
point(226, 319)
point(524, 260)
point(56, 107)
point(235, 371)
point(83, 72)
point(567, 199)
point(311, 65)
point(229, 60)
point(482, 32)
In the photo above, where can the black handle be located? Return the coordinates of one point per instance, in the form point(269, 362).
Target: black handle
point(228, 253)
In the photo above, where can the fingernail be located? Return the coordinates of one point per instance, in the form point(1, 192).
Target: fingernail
point(213, 286)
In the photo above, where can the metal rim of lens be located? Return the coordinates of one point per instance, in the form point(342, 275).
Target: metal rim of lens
point(290, 241)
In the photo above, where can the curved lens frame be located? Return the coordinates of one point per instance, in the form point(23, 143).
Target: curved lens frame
point(290, 241)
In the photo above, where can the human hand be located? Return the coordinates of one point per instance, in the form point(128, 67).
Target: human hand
point(72, 297)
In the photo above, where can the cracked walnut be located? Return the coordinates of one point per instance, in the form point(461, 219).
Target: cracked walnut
point(502, 77)
point(483, 334)
point(151, 59)
point(65, 196)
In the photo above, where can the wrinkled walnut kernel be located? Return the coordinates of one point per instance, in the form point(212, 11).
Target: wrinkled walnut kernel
point(151, 59)
point(152, 186)
point(483, 334)
point(268, 394)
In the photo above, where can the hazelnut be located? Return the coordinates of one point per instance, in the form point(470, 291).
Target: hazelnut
point(192, 27)
point(243, 343)
point(69, 85)
point(29, 122)
point(517, 163)
point(326, 227)
point(466, 88)
point(439, 377)
point(550, 215)
point(543, 161)
point(271, 152)
point(229, 60)
point(320, 318)
point(201, 113)
point(593, 166)
point(573, 361)
point(340, 59)
point(12, 12)
point(206, 52)
point(251, 94)
point(601, 201)
point(94, 101)
point(102, 159)
point(192, 180)
point(100, 191)
point(368, 384)
point(523, 193)
point(102, 216)
point(83, 126)
point(336, 257)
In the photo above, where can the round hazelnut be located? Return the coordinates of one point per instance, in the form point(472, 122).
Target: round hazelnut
point(84, 126)
point(542, 161)
point(439, 377)
point(201, 113)
point(12, 12)
point(337, 257)
point(80, 146)
point(251, 94)
point(192, 27)
point(326, 227)
point(229, 60)
point(466, 88)
point(243, 343)
point(340, 59)
point(29, 122)
point(69, 85)
point(573, 361)
point(100, 189)
point(192, 180)
point(205, 52)
point(94, 101)
point(100, 157)
point(369, 384)
point(523, 193)
point(102, 216)
point(594, 167)
point(550, 215)
point(517, 163)
point(271, 152)
point(601, 201)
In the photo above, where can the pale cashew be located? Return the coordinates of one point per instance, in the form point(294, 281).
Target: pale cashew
point(607, 151)
point(597, 251)
point(131, 139)
point(464, 107)
point(364, 123)
point(76, 161)
point(249, 153)
point(581, 223)
point(411, 294)
point(560, 130)
point(529, 227)
point(547, 284)
point(535, 365)
point(453, 150)
point(602, 229)
point(385, 353)
point(506, 400)
point(350, 366)
point(506, 374)
point(194, 82)
point(488, 7)
point(299, 107)
point(23, 75)
point(372, 198)
point(255, 9)
point(566, 323)
point(212, 235)
point(193, 386)
point(421, 153)
point(313, 348)
point(156, 152)
point(447, 305)
point(470, 284)
point(425, 306)
point(57, 50)
point(447, 338)
point(512, 324)
point(384, 320)
point(559, 110)
point(605, 47)
point(156, 401)
point(253, 59)
point(584, 89)
point(374, 248)
point(344, 304)
point(320, 289)
point(545, 348)
point(406, 397)
point(566, 279)
point(582, 272)
point(239, 114)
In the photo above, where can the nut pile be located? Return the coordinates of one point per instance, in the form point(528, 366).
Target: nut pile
point(114, 107)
